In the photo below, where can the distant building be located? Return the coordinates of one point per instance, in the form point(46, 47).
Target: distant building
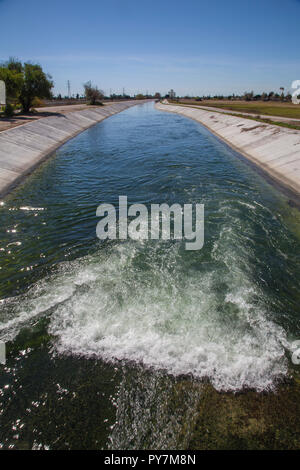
point(172, 94)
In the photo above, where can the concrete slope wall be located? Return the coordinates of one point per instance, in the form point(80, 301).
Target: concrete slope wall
point(23, 148)
point(274, 149)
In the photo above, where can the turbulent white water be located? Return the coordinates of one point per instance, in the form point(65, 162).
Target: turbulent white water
point(145, 304)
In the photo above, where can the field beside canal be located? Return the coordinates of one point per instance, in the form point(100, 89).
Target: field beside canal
point(286, 110)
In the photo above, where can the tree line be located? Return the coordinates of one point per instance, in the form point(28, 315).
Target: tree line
point(246, 96)
point(27, 84)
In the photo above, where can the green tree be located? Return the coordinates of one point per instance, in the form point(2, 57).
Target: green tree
point(14, 64)
point(11, 72)
point(25, 82)
point(36, 83)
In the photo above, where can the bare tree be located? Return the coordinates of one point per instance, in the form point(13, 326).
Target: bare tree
point(93, 94)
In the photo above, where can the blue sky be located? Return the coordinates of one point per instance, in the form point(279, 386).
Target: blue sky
point(196, 47)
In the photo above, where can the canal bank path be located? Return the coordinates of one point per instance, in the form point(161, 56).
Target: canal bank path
point(274, 149)
point(22, 148)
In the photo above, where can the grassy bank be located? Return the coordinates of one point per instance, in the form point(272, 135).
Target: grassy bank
point(287, 110)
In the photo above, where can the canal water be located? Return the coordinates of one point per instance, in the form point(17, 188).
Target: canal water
point(111, 344)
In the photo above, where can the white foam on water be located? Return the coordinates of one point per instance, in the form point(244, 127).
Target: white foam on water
point(145, 303)
point(16, 312)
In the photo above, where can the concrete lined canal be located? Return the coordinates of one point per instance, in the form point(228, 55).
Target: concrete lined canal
point(109, 337)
